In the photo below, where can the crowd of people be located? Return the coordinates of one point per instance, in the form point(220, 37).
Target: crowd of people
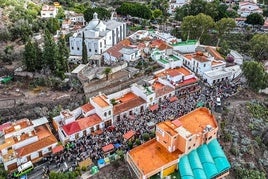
point(91, 145)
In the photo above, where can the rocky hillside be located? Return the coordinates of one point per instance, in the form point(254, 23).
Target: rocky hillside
point(244, 135)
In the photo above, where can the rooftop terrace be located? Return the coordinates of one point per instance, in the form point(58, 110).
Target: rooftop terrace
point(188, 42)
point(152, 155)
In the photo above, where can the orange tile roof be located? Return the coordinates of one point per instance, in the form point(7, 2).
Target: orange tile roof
point(214, 53)
point(188, 81)
point(164, 46)
point(154, 107)
point(214, 62)
point(114, 50)
point(87, 107)
point(152, 155)
point(89, 121)
point(127, 105)
point(42, 132)
point(165, 90)
point(126, 97)
point(174, 72)
point(36, 146)
point(8, 142)
point(188, 56)
point(157, 85)
point(129, 134)
point(200, 57)
point(168, 127)
point(22, 123)
point(99, 100)
point(196, 121)
point(108, 147)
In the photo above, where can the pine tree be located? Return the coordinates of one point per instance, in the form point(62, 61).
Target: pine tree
point(39, 58)
point(63, 57)
point(50, 52)
point(84, 51)
point(29, 56)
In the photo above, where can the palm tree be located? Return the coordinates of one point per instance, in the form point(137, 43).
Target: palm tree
point(107, 71)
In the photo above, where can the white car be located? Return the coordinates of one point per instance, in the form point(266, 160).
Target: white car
point(218, 101)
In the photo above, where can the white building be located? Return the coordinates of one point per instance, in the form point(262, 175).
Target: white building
point(173, 4)
point(49, 11)
point(238, 59)
point(228, 73)
point(26, 140)
point(99, 36)
point(247, 8)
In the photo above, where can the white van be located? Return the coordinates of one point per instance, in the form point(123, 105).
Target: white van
point(218, 101)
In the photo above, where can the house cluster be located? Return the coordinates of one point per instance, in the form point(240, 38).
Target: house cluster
point(186, 147)
point(246, 8)
point(25, 140)
point(49, 11)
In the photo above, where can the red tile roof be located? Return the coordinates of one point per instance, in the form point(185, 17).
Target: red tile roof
point(127, 105)
point(154, 107)
point(114, 51)
point(71, 128)
point(89, 121)
point(36, 146)
point(214, 53)
point(108, 148)
point(87, 107)
point(129, 134)
point(57, 149)
point(172, 99)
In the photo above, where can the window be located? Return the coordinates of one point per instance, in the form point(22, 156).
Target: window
point(209, 137)
point(100, 44)
point(189, 148)
point(95, 51)
point(89, 50)
point(194, 145)
point(190, 140)
point(72, 48)
point(78, 48)
point(105, 114)
point(204, 65)
point(109, 113)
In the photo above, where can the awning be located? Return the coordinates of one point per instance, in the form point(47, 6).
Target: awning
point(85, 163)
point(154, 107)
point(117, 145)
point(108, 148)
point(129, 134)
point(172, 99)
point(57, 149)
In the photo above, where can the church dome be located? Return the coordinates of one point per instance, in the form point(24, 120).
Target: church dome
point(93, 23)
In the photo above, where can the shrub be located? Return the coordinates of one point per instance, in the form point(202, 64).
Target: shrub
point(145, 136)
point(138, 142)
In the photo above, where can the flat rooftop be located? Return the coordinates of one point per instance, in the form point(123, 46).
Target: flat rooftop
point(152, 155)
point(100, 100)
point(174, 72)
point(197, 120)
point(188, 42)
point(168, 127)
point(18, 125)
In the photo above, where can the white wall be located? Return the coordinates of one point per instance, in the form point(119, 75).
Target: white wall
point(119, 93)
point(25, 142)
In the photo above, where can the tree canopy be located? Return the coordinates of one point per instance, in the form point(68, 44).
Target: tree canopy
point(255, 74)
point(135, 10)
point(102, 13)
point(259, 46)
point(255, 19)
point(215, 9)
point(224, 26)
point(194, 27)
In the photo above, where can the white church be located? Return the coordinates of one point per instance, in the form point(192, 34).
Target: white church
point(99, 36)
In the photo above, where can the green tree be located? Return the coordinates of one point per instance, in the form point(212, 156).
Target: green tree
point(135, 10)
point(39, 57)
point(63, 57)
point(255, 74)
point(255, 19)
point(107, 71)
point(29, 56)
point(102, 13)
point(196, 26)
point(60, 14)
point(259, 46)
point(84, 51)
point(157, 13)
point(224, 26)
point(53, 25)
point(50, 52)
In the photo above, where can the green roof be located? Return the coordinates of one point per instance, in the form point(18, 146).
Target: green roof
point(187, 42)
point(205, 162)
